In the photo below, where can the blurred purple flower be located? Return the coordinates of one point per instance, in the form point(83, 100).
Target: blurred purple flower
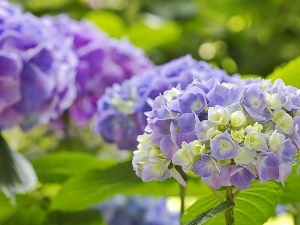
point(127, 104)
point(103, 61)
point(37, 78)
point(142, 210)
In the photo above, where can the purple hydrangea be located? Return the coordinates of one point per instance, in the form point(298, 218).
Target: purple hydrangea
point(233, 134)
point(142, 210)
point(37, 78)
point(121, 109)
point(103, 61)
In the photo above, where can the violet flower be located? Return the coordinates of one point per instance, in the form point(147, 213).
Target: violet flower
point(103, 61)
point(230, 134)
point(121, 109)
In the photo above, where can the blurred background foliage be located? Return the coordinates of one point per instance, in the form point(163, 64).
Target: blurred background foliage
point(249, 37)
point(246, 37)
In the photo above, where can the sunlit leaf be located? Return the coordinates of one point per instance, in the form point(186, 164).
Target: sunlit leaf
point(259, 200)
point(289, 73)
point(109, 22)
point(149, 37)
point(291, 187)
point(96, 185)
point(26, 217)
point(211, 213)
point(58, 167)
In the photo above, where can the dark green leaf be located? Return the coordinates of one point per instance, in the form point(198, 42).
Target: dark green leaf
point(259, 200)
point(16, 172)
point(58, 167)
point(208, 215)
point(86, 217)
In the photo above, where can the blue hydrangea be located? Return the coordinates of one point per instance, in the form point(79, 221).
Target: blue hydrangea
point(142, 210)
point(121, 109)
point(103, 61)
point(229, 134)
point(37, 81)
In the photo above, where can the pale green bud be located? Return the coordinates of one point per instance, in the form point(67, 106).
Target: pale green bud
point(257, 127)
point(219, 116)
point(211, 133)
point(143, 138)
point(237, 136)
point(245, 156)
point(286, 124)
point(254, 140)
point(276, 140)
point(172, 93)
point(296, 112)
point(237, 119)
point(278, 114)
point(273, 101)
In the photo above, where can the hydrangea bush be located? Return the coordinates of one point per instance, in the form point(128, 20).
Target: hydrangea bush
point(103, 61)
point(227, 134)
point(37, 70)
point(121, 109)
point(142, 210)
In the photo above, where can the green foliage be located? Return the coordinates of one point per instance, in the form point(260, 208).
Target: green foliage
point(59, 167)
point(259, 200)
point(96, 185)
point(254, 35)
point(289, 73)
point(109, 22)
point(211, 213)
point(291, 187)
point(26, 217)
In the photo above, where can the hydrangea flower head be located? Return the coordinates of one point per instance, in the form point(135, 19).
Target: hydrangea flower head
point(121, 109)
point(103, 61)
point(229, 140)
point(142, 210)
point(37, 78)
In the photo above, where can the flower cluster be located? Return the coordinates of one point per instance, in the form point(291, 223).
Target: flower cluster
point(227, 134)
point(103, 61)
point(137, 210)
point(121, 109)
point(37, 69)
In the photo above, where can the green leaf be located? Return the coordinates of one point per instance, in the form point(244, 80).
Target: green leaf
point(86, 217)
point(109, 22)
point(16, 172)
point(58, 167)
point(96, 185)
point(248, 76)
point(149, 37)
point(289, 73)
point(210, 214)
point(291, 187)
point(259, 200)
point(5, 207)
point(26, 217)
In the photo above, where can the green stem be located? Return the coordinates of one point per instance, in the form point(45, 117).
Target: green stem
point(182, 193)
point(216, 194)
point(182, 202)
point(229, 214)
